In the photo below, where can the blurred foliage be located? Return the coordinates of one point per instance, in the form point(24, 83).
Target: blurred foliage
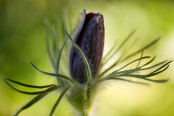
point(22, 39)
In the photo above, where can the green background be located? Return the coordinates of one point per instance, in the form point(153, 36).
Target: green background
point(22, 39)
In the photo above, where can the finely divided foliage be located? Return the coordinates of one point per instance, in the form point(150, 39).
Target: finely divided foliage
point(81, 95)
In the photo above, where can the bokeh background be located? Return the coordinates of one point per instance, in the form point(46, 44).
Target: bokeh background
point(22, 39)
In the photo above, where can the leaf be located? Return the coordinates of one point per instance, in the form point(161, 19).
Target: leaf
point(148, 75)
point(128, 73)
point(155, 65)
point(58, 101)
point(119, 60)
point(27, 85)
point(166, 64)
point(143, 77)
point(148, 62)
point(121, 79)
point(140, 69)
point(143, 48)
point(59, 56)
point(140, 59)
point(129, 56)
point(145, 57)
point(58, 61)
point(36, 99)
point(57, 75)
point(48, 44)
point(28, 93)
point(157, 81)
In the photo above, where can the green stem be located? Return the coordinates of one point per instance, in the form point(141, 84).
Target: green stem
point(85, 114)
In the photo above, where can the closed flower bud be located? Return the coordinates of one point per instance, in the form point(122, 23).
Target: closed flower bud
point(90, 38)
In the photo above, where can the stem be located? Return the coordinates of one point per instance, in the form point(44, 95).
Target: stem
point(81, 106)
point(85, 113)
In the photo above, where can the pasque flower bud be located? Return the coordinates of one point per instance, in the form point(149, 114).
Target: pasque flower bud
point(90, 38)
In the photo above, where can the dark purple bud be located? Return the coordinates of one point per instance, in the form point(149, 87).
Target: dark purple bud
point(90, 38)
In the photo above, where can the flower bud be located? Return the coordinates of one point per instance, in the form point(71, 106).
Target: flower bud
point(90, 38)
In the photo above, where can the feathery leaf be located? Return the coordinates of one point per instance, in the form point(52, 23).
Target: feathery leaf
point(145, 57)
point(121, 79)
point(143, 48)
point(58, 101)
point(57, 75)
point(119, 59)
point(48, 44)
point(35, 99)
point(27, 85)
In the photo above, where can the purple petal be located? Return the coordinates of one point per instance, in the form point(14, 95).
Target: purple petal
point(90, 38)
